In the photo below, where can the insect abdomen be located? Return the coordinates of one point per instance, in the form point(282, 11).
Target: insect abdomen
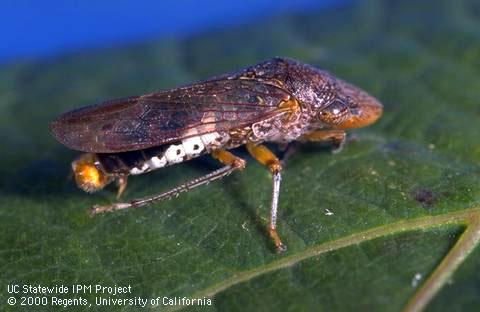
point(142, 161)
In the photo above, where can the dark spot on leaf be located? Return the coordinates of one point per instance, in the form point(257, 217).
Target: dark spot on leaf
point(425, 197)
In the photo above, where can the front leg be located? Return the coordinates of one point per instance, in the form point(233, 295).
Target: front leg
point(337, 137)
point(264, 156)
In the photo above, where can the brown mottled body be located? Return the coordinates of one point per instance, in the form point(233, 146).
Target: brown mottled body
point(279, 101)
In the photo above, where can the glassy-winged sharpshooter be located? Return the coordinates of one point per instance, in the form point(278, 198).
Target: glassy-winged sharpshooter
point(280, 100)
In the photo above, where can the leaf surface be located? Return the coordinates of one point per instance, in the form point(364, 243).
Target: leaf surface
point(364, 227)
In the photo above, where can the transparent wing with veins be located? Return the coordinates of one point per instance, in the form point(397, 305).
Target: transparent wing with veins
point(154, 119)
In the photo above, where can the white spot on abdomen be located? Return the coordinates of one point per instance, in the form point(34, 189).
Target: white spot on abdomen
point(214, 140)
point(156, 162)
point(175, 154)
point(136, 170)
point(193, 146)
point(145, 167)
point(152, 164)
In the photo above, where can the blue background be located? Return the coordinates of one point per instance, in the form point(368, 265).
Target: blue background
point(36, 29)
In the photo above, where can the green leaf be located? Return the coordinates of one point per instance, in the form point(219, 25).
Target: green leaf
point(401, 193)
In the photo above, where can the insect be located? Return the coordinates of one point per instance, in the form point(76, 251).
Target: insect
point(280, 100)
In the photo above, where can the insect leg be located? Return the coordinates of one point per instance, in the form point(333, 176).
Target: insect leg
point(122, 185)
point(338, 137)
point(289, 151)
point(231, 162)
point(264, 156)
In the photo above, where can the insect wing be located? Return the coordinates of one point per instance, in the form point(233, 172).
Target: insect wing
point(158, 118)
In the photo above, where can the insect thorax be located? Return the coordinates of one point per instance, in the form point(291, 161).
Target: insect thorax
point(281, 129)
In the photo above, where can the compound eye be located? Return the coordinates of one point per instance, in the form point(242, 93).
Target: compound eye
point(335, 113)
